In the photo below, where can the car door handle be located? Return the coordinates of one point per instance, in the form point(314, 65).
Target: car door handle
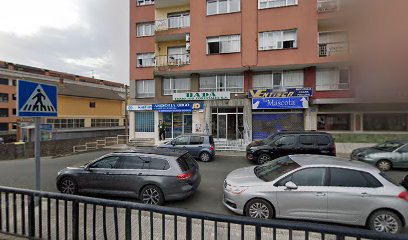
point(140, 174)
point(320, 194)
point(365, 195)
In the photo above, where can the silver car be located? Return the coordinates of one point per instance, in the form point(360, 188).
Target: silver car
point(319, 188)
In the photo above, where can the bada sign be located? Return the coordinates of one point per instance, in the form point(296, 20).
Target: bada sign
point(201, 96)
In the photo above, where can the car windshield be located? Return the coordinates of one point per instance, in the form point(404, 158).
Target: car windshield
point(388, 146)
point(269, 139)
point(276, 168)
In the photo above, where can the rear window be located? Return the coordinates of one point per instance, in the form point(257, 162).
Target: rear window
point(186, 162)
point(211, 140)
point(323, 140)
point(389, 179)
point(158, 164)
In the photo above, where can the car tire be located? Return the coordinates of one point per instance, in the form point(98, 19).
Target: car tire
point(385, 221)
point(259, 208)
point(384, 165)
point(264, 158)
point(205, 157)
point(152, 195)
point(68, 185)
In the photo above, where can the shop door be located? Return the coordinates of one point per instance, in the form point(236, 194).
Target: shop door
point(188, 124)
point(222, 126)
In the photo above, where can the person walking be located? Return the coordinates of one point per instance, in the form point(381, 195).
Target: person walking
point(162, 131)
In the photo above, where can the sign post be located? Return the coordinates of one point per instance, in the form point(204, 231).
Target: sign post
point(36, 100)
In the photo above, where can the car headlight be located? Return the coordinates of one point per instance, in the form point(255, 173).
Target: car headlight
point(367, 158)
point(236, 189)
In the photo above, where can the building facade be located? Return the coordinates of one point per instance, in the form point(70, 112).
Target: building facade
point(88, 107)
point(253, 67)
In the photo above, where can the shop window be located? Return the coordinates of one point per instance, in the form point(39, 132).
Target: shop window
point(4, 98)
point(4, 81)
point(176, 85)
point(276, 3)
point(144, 121)
point(334, 122)
point(279, 79)
point(177, 124)
point(332, 79)
point(224, 44)
point(278, 40)
point(222, 6)
point(222, 83)
point(145, 88)
point(385, 122)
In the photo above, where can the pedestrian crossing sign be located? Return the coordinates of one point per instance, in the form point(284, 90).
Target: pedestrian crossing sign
point(36, 99)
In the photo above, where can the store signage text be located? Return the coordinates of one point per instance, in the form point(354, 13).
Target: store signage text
point(273, 93)
point(139, 107)
point(280, 103)
point(178, 107)
point(201, 96)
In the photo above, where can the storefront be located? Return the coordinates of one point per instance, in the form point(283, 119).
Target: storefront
point(228, 123)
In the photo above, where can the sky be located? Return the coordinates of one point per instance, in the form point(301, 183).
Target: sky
point(81, 37)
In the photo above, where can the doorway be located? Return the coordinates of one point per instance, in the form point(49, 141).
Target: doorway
point(227, 123)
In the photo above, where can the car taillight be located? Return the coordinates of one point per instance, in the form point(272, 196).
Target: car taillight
point(184, 176)
point(334, 150)
point(211, 147)
point(403, 195)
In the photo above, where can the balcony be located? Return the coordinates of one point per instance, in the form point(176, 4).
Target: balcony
point(173, 23)
point(174, 60)
point(170, 3)
point(333, 49)
point(324, 6)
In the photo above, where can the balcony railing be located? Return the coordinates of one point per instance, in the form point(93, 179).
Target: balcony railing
point(333, 49)
point(328, 5)
point(173, 60)
point(173, 23)
point(332, 87)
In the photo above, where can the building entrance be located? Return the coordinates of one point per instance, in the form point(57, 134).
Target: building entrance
point(227, 123)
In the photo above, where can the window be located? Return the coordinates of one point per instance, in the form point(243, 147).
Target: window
point(4, 127)
point(108, 162)
point(222, 6)
point(179, 20)
point(186, 162)
point(275, 168)
point(279, 79)
point(14, 111)
point(14, 97)
point(4, 98)
point(224, 44)
point(309, 177)
point(278, 40)
point(385, 122)
point(352, 178)
point(333, 43)
point(334, 122)
point(196, 140)
point(182, 140)
point(158, 164)
point(144, 121)
point(306, 140)
point(144, 29)
point(102, 122)
point(144, 2)
point(276, 3)
point(177, 56)
point(322, 140)
point(332, 79)
point(92, 104)
point(403, 149)
point(66, 123)
point(132, 162)
point(145, 88)
point(145, 60)
point(222, 83)
point(4, 112)
point(4, 81)
point(176, 85)
point(286, 141)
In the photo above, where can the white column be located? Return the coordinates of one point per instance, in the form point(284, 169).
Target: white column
point(132, 125)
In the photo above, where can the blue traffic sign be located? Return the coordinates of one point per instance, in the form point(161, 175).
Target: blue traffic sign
point(36, 99)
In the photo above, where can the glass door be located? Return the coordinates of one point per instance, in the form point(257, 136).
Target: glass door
point(188, 124)
point(222, 126)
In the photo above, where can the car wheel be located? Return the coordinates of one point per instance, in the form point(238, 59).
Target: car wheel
point(259, 208)
point(384, 165)
point(68, 185)
point(385, 221)
point(205, 157)
point(264, 158)
point(152, 195)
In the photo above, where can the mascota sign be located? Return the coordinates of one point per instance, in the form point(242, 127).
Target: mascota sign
point(272, 93)
point(201, 96)
point(280, 103)
point(178, 107)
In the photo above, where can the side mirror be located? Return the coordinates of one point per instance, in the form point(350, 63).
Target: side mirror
point(291, 185)
point(173, 143)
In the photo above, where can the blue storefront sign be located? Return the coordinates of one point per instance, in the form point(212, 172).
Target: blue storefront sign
point(280, 103)
point(178, 107)
point(273, 93)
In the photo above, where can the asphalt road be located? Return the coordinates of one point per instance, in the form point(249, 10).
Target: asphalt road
point(208, 198)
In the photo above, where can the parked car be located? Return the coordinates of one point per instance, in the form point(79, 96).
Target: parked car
point(200, 146)
point(318, 188)
point(153, 176)
point(290, 143)
point(388, 155)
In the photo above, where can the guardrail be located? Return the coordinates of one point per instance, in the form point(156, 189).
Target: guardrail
point(173, 23)
point(44, 215)
point(108, 141)
point(173, 60)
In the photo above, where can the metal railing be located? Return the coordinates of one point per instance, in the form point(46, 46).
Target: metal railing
point(173, 23)
point(44, 215)
point(101, 143)
point(173, 60)
point(333, 87)
point(328, 5)
point(333, 49)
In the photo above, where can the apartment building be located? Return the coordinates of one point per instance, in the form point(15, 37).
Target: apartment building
point(243, 69)
point(88, 107)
